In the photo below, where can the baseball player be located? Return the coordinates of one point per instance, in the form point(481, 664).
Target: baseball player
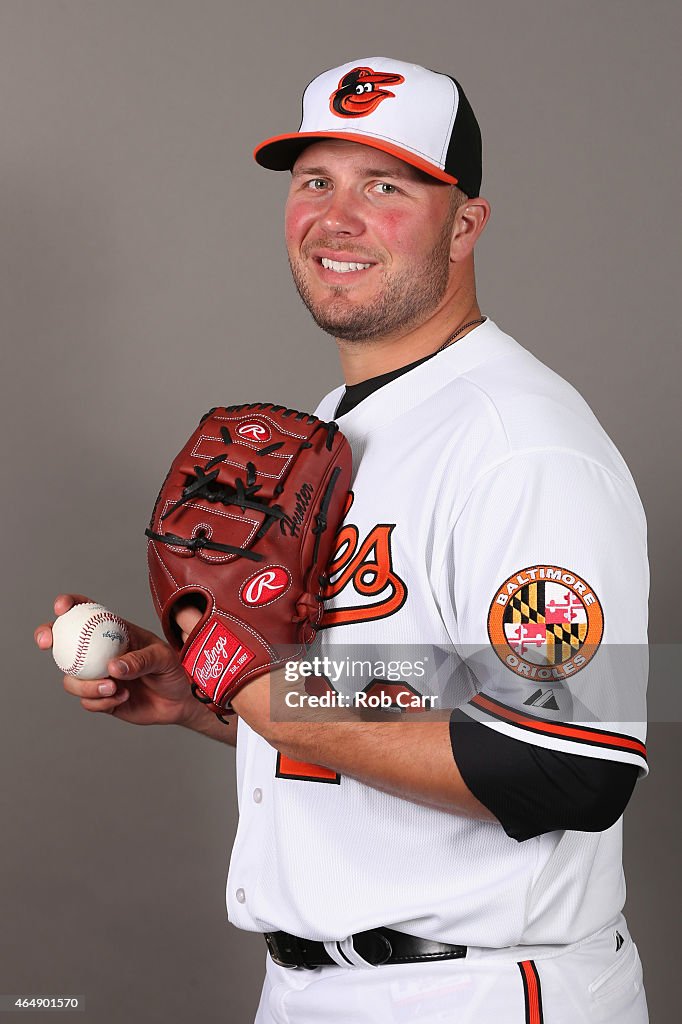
point(464, 866)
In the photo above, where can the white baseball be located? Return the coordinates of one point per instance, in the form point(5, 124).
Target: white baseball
point(85, 638)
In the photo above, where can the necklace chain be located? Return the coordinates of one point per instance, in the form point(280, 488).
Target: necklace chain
point(459, 330)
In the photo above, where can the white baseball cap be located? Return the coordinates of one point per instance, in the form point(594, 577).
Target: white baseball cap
point(417, 115)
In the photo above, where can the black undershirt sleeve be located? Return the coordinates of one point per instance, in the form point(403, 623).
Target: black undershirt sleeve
point(532, 790)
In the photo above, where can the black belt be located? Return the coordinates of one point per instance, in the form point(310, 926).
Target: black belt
point(377, 946)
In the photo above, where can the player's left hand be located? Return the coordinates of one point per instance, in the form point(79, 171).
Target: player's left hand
point(145, 686)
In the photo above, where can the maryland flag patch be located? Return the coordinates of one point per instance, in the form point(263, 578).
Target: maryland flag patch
point(545, 623)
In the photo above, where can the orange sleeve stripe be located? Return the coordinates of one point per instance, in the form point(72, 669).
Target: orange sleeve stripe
point(577, 733)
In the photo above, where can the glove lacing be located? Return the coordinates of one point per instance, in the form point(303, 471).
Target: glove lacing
point(203, 484)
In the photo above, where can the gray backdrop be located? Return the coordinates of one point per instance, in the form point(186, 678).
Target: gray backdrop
point(144, 279)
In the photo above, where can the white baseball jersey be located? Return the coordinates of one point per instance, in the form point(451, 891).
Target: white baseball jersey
point(490, 514)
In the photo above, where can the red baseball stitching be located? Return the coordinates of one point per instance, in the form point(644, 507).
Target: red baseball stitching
point(86, 634)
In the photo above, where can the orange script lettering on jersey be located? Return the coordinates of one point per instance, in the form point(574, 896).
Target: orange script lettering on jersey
point(369, 567)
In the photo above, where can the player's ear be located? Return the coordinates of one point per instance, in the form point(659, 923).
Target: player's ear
point(470, 220)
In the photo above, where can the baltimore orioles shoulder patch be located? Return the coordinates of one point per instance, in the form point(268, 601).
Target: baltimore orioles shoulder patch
point(545, 623)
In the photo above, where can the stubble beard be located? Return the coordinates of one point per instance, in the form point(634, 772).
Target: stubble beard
point(406, 299)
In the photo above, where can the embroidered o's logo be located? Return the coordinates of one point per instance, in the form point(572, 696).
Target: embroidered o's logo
point(545, 623)
point(368, 567)
point(360, 93)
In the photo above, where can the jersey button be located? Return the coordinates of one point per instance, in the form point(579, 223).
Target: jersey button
point(241, 896)
point(257, 795)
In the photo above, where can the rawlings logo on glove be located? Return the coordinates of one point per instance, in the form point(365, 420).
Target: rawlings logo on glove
point(254, 484)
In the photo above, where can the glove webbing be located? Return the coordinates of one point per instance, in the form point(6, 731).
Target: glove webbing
point(242, 495)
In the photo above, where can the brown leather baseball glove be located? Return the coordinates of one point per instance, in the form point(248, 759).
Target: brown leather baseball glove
point(244, 526)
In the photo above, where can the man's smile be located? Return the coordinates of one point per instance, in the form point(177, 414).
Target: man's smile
point(343, 268)
point(330, 264)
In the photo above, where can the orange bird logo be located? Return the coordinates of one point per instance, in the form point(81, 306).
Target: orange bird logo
point(359, 92)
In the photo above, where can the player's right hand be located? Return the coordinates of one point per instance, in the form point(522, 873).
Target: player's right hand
point(146, 686)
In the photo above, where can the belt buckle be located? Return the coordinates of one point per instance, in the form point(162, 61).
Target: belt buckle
point(380, 948)
point(271, 943)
